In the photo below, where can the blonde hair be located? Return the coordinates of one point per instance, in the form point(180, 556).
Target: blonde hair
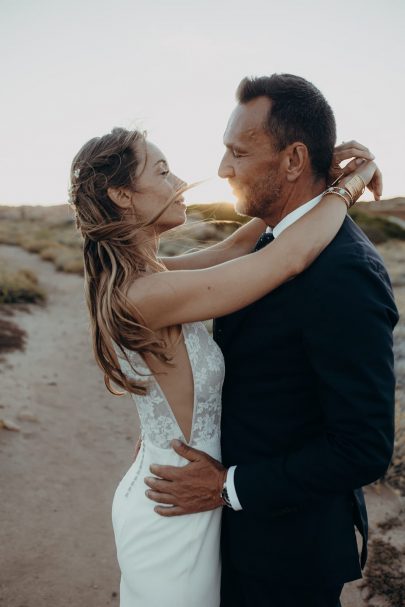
point(115, 252)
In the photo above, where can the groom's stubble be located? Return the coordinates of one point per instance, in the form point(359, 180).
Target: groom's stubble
point(264, 195)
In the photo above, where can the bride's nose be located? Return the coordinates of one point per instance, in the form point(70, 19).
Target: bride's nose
point(180, 183)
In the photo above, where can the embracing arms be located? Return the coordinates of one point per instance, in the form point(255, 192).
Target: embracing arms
point(241, 242)
point(182, 296)
point(175, 297)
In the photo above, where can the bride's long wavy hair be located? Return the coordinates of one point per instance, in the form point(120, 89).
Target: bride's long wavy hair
point(115, 252)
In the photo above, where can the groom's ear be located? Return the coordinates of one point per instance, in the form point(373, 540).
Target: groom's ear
point(296, 159)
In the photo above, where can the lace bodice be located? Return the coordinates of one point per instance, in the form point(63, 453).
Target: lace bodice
point(158, 422)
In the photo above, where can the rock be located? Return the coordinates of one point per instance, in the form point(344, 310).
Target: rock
point(25, 415)
point(9, 425)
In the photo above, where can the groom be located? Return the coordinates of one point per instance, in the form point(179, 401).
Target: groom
point(308, 398)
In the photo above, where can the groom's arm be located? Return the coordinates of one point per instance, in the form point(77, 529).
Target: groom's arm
point(347, 332)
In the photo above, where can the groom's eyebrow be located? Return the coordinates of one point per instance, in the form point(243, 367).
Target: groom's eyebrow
point(234, 146)
point(162, 160)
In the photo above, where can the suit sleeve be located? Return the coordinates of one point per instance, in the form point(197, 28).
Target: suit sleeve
point(347, 324)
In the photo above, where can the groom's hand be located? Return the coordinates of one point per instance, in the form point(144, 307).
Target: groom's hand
point(195, 487)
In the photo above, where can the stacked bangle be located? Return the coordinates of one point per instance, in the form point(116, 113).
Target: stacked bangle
point(343, 193)
point(351, 191)
point(355, 187)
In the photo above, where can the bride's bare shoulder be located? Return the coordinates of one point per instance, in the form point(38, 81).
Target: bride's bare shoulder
point(144, 285)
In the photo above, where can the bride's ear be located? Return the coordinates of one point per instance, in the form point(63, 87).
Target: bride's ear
point(121, 196)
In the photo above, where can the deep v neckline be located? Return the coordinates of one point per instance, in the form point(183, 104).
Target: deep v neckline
point(184, 332)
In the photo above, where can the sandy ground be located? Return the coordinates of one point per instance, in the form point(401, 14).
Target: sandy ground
point(59, 472)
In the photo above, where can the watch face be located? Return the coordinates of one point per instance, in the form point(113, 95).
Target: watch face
point(225, 497)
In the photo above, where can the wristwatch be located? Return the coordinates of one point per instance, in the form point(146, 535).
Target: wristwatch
point(225, 496)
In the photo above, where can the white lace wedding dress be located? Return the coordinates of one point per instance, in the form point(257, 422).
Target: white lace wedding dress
point(171, 562)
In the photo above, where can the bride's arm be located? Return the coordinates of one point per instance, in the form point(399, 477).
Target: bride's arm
point(241, 242)
point(170, 298)
point(181, 296)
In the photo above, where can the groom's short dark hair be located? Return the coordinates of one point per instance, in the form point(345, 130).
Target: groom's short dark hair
point(299, 112)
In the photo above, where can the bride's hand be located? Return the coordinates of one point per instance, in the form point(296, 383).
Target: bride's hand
point(359, 155)
point(371, 175)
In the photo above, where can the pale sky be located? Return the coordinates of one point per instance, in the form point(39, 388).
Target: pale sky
point(73, 69)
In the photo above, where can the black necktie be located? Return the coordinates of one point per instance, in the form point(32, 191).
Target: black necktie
point(264, 240)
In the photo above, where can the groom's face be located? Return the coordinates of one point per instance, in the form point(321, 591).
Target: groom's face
point(251, 163)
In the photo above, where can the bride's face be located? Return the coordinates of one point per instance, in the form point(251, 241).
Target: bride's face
point(155, 186)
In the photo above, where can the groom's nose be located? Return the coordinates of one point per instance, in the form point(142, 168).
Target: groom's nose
point(225, 169)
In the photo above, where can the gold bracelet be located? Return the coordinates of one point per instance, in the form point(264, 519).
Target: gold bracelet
point(355, 186)
point(343, 193)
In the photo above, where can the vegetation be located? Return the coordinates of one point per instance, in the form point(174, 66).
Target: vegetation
point(395, 474)
point(220, 211)
point(57, 242)
point(377, 227)
point(50, 232)
point(20, 287)
point(384, 576)
point(11, 337)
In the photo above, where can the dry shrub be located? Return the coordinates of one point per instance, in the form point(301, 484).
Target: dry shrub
point(71, 265)
point(217, 211)
point(58, 242)
point(384, 576)
point(198, 233)
point(395, 474)
point(379, 229)
point(29, 275)
point(68, 236)
point(50, 252)
point(11, 337)
point(10, 233)
point(34, 245)
point(20, 287)
point(69, 260)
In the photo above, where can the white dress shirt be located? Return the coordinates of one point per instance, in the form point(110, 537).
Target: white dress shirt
point(280, 227)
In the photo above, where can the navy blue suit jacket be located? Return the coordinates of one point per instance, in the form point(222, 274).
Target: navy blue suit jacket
point(308, 414)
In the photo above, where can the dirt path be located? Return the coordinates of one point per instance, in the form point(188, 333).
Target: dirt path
point(58, 474)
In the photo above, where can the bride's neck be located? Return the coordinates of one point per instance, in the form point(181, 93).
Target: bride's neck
point(150, 248)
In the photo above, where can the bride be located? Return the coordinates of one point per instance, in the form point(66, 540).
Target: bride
point(149, 340)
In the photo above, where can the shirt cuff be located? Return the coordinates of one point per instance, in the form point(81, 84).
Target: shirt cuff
point(230, 486)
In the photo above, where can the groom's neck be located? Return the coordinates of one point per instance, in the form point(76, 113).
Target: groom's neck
point(292, 198)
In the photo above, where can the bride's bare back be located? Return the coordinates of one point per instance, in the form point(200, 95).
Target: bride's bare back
point(176, 381)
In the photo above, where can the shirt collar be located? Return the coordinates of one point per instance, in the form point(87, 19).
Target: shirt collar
point(295, 215)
